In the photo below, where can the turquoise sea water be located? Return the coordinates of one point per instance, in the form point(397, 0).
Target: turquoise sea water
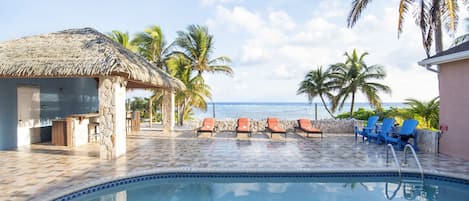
point(281, 110)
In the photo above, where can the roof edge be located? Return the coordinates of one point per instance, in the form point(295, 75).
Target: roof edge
point(445, 58)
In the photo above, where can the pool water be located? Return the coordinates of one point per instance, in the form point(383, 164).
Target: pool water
point(283, 189)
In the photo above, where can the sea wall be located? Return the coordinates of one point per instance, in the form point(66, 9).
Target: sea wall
point(427, 141)
point(326, 126)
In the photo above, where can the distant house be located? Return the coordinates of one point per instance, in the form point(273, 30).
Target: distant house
point(453, 69)
point(73, 72)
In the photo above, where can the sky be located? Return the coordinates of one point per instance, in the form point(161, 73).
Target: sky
point(272, 44)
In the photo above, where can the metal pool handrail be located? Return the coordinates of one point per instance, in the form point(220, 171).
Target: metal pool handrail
point(389, 147)
point(396, 161)
point(407, 147)
point(394, 193)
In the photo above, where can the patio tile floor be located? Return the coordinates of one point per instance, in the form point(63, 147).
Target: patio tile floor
point(42, 170)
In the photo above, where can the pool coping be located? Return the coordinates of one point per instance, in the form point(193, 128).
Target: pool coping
point(97, 182)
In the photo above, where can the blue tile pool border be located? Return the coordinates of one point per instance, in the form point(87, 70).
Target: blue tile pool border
point(250, 175)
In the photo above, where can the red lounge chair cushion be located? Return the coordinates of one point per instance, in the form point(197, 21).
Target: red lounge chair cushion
point(277, 129)
point(208, 124)
point(243, 125)
point(272, 124)
point(305, 124)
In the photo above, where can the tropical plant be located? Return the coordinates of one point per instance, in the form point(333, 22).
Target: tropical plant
point(196, 90)
point(121, 38)
point(317, 83)
point(195, 55)
point(427, 111)
point(197, 47)
point(360, 114)
point(429, 16)
point(356, 76)
point(151, 44)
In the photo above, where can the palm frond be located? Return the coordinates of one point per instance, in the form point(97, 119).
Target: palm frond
point(403, 8)
point(357, 8)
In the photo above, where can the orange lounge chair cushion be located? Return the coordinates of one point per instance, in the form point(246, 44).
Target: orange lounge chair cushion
point(272, 124)
point(305, 125)
point(208, 124)
point(243, 125)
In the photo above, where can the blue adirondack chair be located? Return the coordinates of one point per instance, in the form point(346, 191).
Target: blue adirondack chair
point(380, 134)
point(370, 126)
point(407, 130)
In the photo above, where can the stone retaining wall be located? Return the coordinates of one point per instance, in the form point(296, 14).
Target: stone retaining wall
point(427, 140)
point(327, 126)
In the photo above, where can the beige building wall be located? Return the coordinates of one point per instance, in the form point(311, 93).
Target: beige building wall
point(454, 108)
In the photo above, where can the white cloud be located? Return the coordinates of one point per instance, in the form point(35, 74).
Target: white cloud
point(215, 2)
point(281, 20)
point(276, 50)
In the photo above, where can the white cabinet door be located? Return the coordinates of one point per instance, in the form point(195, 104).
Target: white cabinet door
point(28, 115)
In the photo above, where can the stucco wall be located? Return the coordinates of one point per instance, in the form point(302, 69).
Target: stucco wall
point(454, 108)
point(59, 97)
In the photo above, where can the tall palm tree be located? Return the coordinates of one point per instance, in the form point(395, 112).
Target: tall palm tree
point(317, 83)
point(122, 38)
point(151, 44)
point(429, 16)
point(428, 111)
point(356, 76)
point(197, 47)
point(196, 90)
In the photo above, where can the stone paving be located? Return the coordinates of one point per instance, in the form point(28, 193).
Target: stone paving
point(41, 170)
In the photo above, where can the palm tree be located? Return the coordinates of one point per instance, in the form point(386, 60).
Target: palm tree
point(196, 90)
point(355, 76)
point(428, 111)
point(317, 83)
point(428, 14)
point(197, 47)
point(121, 38)
point(151, 44)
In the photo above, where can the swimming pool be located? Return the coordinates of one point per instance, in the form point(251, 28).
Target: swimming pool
point(276, 186)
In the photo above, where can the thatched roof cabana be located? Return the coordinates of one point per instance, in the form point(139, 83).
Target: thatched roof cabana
point(79, 53)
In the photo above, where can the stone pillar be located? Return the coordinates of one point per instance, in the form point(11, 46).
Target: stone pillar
point(112, 116)
point(168, 110)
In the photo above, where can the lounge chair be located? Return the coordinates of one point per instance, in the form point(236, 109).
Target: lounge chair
point(370, 125)
point(305, 126)
point(401, 138)
point(208, 125)
point(274, 127)
point(381, 133)
point(243, 126)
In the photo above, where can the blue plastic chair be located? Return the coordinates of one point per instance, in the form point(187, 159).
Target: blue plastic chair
point(381, 133)
point(407, 130)
point(370, 125)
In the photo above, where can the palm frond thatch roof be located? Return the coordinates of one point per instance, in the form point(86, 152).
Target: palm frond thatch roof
point(78, 53)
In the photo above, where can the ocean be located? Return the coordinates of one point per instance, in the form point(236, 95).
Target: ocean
point(287, 111)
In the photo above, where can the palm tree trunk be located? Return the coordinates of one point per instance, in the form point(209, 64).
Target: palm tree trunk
point(181, 112)
point(181, 117)
point(150, 110)
point(325, 106)
point(351, 106)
